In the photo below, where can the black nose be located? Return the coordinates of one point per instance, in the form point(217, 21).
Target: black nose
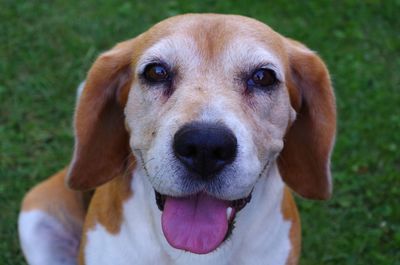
point(205, 148)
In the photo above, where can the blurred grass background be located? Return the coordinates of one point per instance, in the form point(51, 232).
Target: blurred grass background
point(46, 47)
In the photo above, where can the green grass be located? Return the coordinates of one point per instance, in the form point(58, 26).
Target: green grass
point(46, 47)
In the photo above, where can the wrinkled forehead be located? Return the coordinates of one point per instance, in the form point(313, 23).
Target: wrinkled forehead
point(221, 42)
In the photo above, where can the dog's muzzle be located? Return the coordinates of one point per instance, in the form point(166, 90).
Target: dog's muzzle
point(200, 222)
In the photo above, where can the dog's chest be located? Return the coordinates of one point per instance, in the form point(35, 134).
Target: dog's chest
point(260, 237)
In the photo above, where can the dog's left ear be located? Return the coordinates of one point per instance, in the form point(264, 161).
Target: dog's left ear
point(101, 140)
point(305, 159)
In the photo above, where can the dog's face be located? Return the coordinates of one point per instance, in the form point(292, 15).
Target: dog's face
point(208, 102)
point(215, 78)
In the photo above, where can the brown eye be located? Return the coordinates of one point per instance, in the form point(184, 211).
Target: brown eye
point(156, 73)
point(262, 78)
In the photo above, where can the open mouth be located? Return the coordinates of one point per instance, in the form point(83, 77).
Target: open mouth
point(198, 223)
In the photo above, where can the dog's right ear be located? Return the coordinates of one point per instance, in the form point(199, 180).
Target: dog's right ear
point(101, 140)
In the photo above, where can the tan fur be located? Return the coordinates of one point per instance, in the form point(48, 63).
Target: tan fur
point(289, 211)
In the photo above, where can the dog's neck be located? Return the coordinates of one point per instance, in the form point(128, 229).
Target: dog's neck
point(261, 233)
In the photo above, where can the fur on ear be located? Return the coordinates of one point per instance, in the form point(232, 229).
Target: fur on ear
point(305, 159)
point(101, 140)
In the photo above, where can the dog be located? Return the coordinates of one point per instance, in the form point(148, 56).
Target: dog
point(189, 140)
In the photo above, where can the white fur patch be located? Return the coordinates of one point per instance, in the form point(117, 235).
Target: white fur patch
point(45, 241)
point(136, 241)
point(80, 90)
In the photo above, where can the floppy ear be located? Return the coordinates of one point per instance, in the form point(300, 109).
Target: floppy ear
point(101, 140)
point(305, 159)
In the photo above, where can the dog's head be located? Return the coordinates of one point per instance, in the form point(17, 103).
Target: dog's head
point(206, 103)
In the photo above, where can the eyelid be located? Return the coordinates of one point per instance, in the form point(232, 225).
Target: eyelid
point(146, 65)
point(150, 60)
point(247, 72)
point(269, 66)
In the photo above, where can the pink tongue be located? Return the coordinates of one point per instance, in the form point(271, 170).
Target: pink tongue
point(197, 223)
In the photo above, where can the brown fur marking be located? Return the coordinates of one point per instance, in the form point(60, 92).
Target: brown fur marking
point(290, 213)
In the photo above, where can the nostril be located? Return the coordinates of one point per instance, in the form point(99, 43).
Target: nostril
point(220, 154)
point(225, 149)
point(187, 150)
